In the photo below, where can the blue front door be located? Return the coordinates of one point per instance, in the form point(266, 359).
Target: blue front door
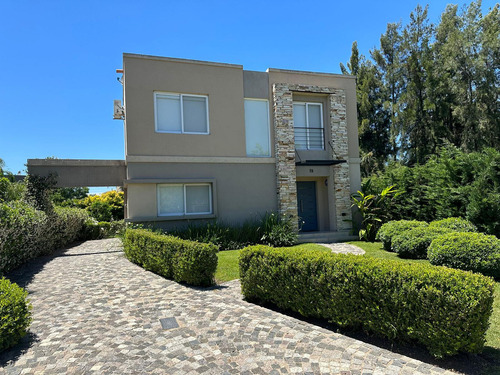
point(306, 199)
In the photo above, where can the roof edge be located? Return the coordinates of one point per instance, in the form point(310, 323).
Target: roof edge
point(175, 59)
point(274, 70)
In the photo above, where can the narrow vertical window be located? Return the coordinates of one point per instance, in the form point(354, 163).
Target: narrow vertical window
point(257, 128)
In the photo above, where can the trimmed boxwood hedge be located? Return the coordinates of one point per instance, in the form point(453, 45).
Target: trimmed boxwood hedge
point(444, 309)
point(393, 228)
point(475, 252)
point(414, 243)
point(15, 313)
point(171, 257)
point(455, 223)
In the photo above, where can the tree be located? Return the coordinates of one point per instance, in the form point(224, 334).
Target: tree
point(373, 118)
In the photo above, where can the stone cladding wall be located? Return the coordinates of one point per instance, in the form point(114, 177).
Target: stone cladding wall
point(285, 149)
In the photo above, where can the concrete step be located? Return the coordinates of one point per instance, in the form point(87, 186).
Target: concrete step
point(327, 237)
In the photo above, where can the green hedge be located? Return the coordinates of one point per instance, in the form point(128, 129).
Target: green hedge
point(393, 228)
point(182, 260)
point(475, 252)
point(446, 310)
point(95, 230)
point(455, 223)
point(414, 243)
point(15, 313)
point(26, 232)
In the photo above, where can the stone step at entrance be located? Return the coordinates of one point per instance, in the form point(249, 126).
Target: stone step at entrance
point(327, 237)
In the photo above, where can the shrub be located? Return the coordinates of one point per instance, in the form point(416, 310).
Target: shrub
point(475, 252)
point(278, 231)
point(272, 230)
point(414, 243)
point(26, 232)
point(171, 257)
point(372, 208)
point(455, 223)
point(445, 310)
point(451, 183)
point(15, 313)
point(393, 228)
point(95, 230)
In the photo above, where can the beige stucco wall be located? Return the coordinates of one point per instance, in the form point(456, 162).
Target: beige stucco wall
point(223, 83)
point(242, 191)
point(245, 187)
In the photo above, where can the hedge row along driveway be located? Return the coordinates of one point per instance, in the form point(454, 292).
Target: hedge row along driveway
point(445, 310)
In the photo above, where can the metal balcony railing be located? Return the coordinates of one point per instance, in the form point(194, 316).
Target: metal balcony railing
point(309, 138)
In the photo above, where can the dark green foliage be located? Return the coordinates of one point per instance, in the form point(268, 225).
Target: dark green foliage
point(94, 230)
point(372, 208)
point(427, 85)
point(467, 251)
point(455, 223)
point(171, 257)
point(276, 230)
point(452, 184)
point(272, 229)
point(394, 228)
point(414, 243)
point(15, 313)
point(445, 310)
point(61, 195)
point(26, 233)
point(39, 190)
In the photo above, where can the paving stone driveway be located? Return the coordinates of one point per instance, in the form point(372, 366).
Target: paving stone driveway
point(95, 312)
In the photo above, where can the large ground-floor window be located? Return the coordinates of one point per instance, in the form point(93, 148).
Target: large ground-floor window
point(184, 199)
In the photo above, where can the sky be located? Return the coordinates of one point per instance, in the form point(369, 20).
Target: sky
point(58, 58)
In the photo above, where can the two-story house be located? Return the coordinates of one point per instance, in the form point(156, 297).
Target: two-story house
point(207, 140)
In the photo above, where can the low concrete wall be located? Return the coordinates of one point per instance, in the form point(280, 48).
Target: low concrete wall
point(80, 173)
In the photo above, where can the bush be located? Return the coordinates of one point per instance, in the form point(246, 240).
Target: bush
point(454, 223)
point(277, 231)
point(15, 313)
point(26, 232)
point(414, 243)
point(272, 230)
point(171, 257)
point(475, 252)
point(393, 228)
point(451, 183)
point(95, 230)
point(445, 310)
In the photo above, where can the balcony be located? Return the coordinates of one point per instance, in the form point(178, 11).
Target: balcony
point(309, 138)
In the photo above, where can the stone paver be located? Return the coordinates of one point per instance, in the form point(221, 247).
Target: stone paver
point(96, 313)
point(343, 248)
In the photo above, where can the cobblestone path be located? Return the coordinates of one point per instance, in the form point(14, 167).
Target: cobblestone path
point(96, 313)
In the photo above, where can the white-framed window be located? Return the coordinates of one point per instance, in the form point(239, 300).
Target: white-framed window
point(184, 199)
point(257, 131)
point(181, 113)
point(308, 126)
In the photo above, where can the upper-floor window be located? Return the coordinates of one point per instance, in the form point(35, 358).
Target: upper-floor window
point(257, 131)
point(181, 113)
point(308, 126)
